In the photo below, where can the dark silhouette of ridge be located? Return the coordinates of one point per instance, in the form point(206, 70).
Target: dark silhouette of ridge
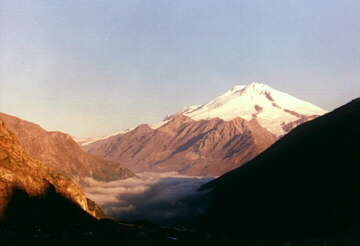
point(306, 184)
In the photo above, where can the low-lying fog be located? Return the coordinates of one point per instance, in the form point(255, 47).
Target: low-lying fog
point(162, 198)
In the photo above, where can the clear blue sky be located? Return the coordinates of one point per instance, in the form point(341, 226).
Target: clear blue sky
point(90, 68)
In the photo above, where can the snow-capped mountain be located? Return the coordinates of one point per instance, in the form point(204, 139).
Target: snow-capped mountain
point(273, 109)
point(209, 139)
point(276, 111)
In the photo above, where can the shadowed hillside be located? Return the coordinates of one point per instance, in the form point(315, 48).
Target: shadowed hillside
point(306, 184)
point(49, 211)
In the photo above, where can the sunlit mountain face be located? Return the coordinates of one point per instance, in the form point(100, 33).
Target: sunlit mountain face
point(209, 139)
point(60, 152)
point(34, 195)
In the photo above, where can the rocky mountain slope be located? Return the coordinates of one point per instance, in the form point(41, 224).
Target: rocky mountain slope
point(60, 152)
point(204, 147)
point(305, 184)
point(29, 190)
point(209, 139)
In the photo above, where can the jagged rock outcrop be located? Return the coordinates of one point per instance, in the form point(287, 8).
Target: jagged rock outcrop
point(204, 147)
point(21, 173)
point(60, 152)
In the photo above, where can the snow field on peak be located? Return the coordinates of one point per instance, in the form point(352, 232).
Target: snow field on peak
point(269, 106)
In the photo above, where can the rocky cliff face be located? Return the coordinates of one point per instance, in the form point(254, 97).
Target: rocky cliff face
point(60, 152)
point(18, 171)
point(204, 147)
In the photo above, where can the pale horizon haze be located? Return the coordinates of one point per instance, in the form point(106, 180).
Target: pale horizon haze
point(91, 68)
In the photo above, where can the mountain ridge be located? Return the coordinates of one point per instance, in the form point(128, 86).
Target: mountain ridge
point(204, 147)
point(21, 173)
point(60, 152)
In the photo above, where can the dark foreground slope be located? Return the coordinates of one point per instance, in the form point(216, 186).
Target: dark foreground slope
point(306, 184)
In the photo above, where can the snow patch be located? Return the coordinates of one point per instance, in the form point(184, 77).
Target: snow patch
point(86, 141)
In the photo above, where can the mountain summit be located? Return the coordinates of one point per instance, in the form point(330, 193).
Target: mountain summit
point(276, 111)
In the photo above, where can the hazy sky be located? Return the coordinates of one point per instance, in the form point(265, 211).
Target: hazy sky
point(90, 68)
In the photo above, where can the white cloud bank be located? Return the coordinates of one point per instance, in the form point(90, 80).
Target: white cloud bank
point(164, 198)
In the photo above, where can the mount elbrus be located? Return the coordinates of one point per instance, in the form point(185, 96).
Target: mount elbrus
point(209, 139)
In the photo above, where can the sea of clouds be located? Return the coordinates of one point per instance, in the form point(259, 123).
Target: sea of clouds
point(162, 198)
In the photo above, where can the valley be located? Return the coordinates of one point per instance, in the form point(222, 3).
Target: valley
point(182, 123)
